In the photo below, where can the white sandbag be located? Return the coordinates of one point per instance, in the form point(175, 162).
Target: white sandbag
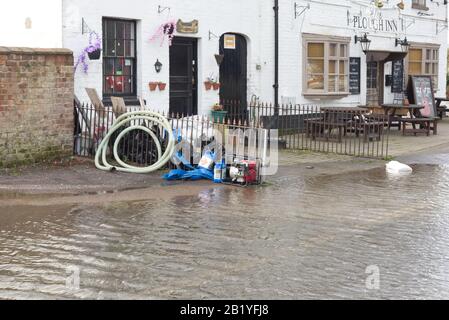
point(395, 167)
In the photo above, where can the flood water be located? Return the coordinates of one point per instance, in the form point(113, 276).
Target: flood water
point(297, 238)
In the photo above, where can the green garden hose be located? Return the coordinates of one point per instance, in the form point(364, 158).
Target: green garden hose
point(124, 121)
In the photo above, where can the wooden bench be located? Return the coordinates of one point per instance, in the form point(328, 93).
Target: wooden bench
point(425, 125)
point(442, 110)
point(370, 129)
point(319, 128)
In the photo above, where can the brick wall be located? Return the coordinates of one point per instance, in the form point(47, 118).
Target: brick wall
point(36, 105)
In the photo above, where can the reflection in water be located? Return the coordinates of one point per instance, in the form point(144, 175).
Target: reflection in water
point(297, 238)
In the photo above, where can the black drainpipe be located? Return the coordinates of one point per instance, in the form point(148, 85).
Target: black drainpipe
point(276, 55)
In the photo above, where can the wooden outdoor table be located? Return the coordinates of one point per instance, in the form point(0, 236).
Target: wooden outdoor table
point(332, 118)
point(425, 124)
point(395, 107)
point(391, 109)
point(441, 109)
point(440, 100)
point(344, 109)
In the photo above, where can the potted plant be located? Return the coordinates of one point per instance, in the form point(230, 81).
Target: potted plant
point(92, 51)
point(216, 86)
point(153, 86)
point(161, 86)
point(208, 85)
point(218, 113)
point(94, 48)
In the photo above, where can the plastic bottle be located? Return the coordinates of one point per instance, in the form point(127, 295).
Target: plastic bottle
point(223, 170)
point(218, 173)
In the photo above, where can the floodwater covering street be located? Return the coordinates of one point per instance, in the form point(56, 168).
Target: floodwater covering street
point(294, 238)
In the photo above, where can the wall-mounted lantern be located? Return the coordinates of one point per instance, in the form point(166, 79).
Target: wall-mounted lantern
point(405, 45)
point(158, 66)
point(364, 42)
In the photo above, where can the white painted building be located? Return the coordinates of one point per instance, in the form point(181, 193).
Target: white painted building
point(316, 47)
point(31, 23)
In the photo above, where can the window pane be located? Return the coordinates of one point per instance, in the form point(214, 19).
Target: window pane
point(127, 85)
point(343, 50)
point(110, 30)
point(333, 49)
point(427, 69)
point(129, 48)
point(119, 66)
point(343, 67)
point(120, 30)
point(129, 31)
point(435, 68)
point(315, 66)
point(118, 84)
point(108, 66)
point(428, 54)
point(315, 82)
point(435, 55)
point(128, 68)
point(332, 84)
point(415, 54)
point(414, 68)
point(108, 87)
point(120, 48)
point(316, 50)
point(110, 48)
point(332, 67)
point(342, 83)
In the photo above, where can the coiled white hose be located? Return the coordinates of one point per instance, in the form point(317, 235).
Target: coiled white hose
point(137, 116)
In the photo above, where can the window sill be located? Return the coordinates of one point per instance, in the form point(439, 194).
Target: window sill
point(326, 95)
point(129, 100)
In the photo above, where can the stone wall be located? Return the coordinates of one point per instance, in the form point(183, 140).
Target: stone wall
point(36, 105)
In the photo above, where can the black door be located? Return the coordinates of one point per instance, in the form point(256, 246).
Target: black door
point(183, 76)
point(233, 71)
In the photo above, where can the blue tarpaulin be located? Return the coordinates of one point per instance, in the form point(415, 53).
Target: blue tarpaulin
point(193, 174)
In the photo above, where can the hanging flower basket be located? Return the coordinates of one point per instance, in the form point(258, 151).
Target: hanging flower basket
point(165, 30)
point(162, 86)
point(153, 86)
point(94, 55)
point(93, 51)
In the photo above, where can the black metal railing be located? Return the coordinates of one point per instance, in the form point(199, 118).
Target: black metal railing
point(194, 134)
point(354, 131)
point(339, 130)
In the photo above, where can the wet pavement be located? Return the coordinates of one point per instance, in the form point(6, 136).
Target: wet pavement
point(306, 234)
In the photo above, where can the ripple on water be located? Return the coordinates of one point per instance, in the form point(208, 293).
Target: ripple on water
point(299, 238)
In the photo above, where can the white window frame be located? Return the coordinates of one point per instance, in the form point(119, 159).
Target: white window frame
point(424, 47)
point(327, 41)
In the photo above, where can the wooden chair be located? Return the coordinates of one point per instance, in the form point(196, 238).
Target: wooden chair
point(118, 106)
point(143, 107)
point(96, 102)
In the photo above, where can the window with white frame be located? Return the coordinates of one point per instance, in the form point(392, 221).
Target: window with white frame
point(326, 65)
point(424, 60)
point(419, 4)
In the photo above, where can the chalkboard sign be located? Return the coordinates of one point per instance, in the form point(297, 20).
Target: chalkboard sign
point(354, 75)
point(421, 93)
point(397, 82)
